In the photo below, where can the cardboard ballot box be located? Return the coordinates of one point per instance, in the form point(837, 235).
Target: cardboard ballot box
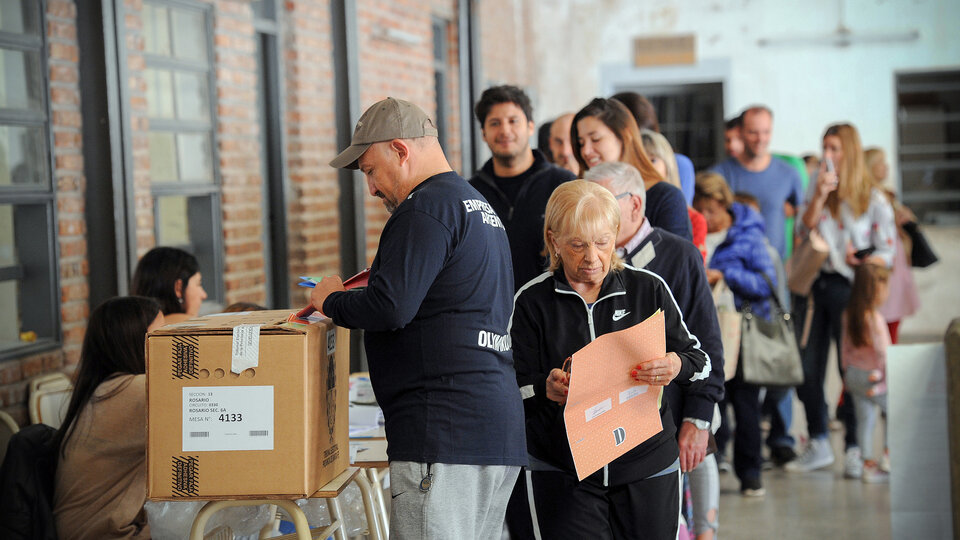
point(246, 404)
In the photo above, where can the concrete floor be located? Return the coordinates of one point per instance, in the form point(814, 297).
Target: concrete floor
point(821, 504)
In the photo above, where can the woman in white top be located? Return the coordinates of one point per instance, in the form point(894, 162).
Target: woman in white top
point(856, 220)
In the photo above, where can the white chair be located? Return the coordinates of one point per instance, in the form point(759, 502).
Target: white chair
point(8, 426)
point(49, 397)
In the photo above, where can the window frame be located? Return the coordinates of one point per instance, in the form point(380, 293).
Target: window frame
point(43, 195)
point(213, 284)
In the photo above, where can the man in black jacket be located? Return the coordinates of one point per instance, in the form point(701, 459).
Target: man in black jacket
point(680, 264)
point(517, 180)
point(435, 311)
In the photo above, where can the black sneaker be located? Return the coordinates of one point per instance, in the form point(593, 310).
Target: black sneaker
point(752, 487)
point(781, 455)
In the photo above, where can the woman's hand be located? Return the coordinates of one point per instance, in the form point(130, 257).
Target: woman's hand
point(558, 386)
point(713, 276)
point(659, 371)
point(827, 181)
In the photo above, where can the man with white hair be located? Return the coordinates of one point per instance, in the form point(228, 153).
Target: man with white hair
point(678, 262)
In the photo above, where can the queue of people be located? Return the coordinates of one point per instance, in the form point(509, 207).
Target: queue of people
point(480, 290)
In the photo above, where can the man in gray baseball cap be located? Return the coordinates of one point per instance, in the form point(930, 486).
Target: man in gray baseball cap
point(436, 312)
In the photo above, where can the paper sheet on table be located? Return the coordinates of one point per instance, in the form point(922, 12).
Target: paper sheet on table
point(607, 412)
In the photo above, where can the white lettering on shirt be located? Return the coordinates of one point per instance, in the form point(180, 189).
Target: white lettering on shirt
point(491, 340)
point(488, 214)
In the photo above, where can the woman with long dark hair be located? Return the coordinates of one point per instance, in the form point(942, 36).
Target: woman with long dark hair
point(857, 222)
point(605, 130)
point(172, 277)
point(101, 480)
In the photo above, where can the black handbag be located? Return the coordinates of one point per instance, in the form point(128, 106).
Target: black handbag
point(921, 254)
point(769, 355)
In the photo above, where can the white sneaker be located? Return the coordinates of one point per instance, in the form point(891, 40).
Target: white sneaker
point(873, 474)
point(885, 461)
point(853, 463)
point(817, 455)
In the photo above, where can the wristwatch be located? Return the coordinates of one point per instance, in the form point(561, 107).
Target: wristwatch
point(700, 424)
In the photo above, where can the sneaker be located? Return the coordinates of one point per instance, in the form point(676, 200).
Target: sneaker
point(873, 474)
point(817, 455)
point(781, 455)
point(852, 463)
point(752, 487)
point(724, 466)
point(885, 461)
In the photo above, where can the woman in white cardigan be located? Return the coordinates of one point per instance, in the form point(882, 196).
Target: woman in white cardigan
point(857, 222)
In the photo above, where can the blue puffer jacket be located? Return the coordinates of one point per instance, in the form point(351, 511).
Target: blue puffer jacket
point(743, 258)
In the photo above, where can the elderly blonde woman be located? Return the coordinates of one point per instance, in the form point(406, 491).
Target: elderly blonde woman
point(589, 291)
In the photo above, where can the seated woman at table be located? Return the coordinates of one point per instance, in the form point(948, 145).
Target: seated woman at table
point(101, 479)
point(172, 277)
point(587, 292)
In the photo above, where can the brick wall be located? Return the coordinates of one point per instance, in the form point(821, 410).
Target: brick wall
point(400, 65)
point(239, 140)
point(313, 218)
point(71, 229)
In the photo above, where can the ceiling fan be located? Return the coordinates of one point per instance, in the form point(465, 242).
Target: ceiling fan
point(842, 36)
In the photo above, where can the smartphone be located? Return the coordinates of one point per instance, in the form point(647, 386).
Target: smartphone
point(829, 163)
point(864, 253)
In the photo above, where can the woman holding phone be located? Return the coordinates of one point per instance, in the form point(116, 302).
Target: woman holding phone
point(857, 222)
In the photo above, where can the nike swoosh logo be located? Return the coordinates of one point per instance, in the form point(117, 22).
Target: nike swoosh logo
point(397, 495)
point(617, 316)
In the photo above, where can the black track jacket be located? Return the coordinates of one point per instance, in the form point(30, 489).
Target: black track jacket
point(551, 321)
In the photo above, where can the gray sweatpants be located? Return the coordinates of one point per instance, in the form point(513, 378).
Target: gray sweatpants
point(449, 501)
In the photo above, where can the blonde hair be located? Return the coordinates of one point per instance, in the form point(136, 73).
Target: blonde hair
point(656, 145)
point(872, 156)
point(855, 184)
point(576, 207)
point(712, 186)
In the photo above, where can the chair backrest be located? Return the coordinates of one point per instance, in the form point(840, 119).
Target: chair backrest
point(8, 426)
point(50, 381)
point(49, 397)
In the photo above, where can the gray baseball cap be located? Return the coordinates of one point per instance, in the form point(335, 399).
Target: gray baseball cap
point(385, 120)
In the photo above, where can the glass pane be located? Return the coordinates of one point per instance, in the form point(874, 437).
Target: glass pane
point(191, 40)
point(196, 157)
point(10, 314)
point(156, 30)
point(193, 96)
point(163, 157)
point(159, 93)
point(8, 254)
point(21, 81)
point(23, 160)
point(19, 16)
point(173, 225)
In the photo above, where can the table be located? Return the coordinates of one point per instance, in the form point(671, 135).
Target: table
point(372, 459)
point(329, 492)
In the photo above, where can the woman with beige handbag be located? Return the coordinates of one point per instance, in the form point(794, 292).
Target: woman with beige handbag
point(855, 222)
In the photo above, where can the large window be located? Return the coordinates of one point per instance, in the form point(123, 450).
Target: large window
point(183, 163)
point(28, 303)
point(928, 128)
point(691, 118)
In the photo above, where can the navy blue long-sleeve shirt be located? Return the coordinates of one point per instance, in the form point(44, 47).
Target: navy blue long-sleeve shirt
point(436, 311)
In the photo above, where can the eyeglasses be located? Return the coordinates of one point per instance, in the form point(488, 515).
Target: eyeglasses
point(624, 194)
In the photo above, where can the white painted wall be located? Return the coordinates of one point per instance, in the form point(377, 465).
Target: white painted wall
point(585, 46)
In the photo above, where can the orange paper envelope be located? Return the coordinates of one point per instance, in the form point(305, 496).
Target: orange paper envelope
point(607, 412)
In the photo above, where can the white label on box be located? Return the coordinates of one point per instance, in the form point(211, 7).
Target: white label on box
point(217, 418)
point(598, 409)
point(246, 347)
